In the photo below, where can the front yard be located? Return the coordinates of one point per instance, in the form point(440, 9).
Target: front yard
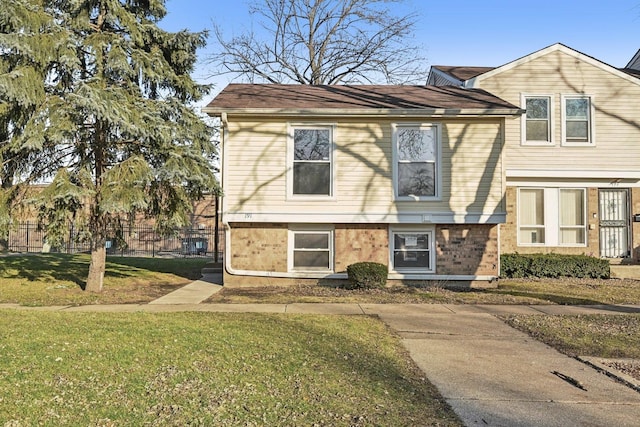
point(107, 369)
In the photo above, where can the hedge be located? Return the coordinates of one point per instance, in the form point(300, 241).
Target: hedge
point(366, 275)
point(553, 266)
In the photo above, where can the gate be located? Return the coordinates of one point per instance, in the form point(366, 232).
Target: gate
point(614, 223)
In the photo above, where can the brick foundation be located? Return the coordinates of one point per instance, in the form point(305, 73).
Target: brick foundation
point(463, 250)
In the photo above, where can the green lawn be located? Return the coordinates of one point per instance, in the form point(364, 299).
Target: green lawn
point(208, 369)
point(57, 279)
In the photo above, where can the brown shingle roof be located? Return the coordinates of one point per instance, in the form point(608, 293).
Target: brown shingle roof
point(462, 73)
point(366, 97)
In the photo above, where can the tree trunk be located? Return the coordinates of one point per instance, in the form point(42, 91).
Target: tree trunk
point(96, 267)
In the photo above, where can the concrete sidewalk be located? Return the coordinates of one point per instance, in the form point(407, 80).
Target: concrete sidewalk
point(493, 375)
point(194, 292)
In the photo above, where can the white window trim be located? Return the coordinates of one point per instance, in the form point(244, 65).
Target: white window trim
point(591, 124)
point(438, 162)
point(523, 120)
point(311, 229)
point(585, 219)
point(544, 214)
point(432, 249)
point(551, 199)
point(291, 127)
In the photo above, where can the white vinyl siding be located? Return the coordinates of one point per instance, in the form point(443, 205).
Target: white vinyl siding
point(257, 172)
point(614, 130)
point(552, 217)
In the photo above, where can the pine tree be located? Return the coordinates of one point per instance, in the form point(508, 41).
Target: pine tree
point(99, 96)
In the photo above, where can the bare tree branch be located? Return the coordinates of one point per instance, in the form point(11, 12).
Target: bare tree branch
point(324, 42)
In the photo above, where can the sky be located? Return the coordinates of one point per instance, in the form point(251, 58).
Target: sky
point(460, 32)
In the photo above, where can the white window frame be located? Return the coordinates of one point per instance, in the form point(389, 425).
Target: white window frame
point(585, 220)
point(328, 231)
point(591, 142)
point(428, 230)
point(291, 127)
point(552, 227)
point(437, 128)
point(551, 112)
point(542, 226)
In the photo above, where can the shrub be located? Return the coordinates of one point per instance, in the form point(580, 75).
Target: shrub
point(366, 275)
point(553, 266)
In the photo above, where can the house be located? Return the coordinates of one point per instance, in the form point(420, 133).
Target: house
point(572, 162)
point(316, 178)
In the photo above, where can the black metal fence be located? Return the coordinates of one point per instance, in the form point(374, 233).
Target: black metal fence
point(137, 240)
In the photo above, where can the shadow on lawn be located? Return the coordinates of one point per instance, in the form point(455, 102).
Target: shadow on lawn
point(545, 297)
point(40, 267)
point(74, 268)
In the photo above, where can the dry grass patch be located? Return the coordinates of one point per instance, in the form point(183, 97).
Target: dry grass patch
point(602, 336)
point(508, 291)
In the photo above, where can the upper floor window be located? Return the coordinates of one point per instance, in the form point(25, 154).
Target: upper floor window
point(537, 128)
point(311, 161)
point(416, 165)
point(577, 119)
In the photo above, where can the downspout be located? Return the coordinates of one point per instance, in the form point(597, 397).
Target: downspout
point(227, 234)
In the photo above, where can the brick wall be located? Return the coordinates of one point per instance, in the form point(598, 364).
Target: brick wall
point(467, 249)
point(261, 247)
point(360, 242)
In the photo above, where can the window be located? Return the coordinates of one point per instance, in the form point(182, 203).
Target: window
point(552, 217)
point(537, 124)
point(311, 250)
point(572, 217)
point(311, 169)
point(531, 216)
point(416, 150)
point(412, 251)
point(577, 123)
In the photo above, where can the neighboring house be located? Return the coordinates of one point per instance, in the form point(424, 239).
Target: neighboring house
point(572, 162)
point(316, 178)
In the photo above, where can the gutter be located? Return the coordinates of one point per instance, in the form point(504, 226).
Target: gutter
point(388, 113)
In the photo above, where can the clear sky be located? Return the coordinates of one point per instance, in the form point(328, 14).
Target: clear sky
point(463, 32)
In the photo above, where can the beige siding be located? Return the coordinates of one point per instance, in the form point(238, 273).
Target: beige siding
point(255, 163)
point(617, 118)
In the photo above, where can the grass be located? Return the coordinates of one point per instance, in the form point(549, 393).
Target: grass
point(208, 369)
point(608, 336)
point(508, 291)
point(58, 279)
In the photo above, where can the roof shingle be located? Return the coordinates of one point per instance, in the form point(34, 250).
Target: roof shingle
point(364, 97)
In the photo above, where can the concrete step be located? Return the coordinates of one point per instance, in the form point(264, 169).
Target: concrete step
point(212, 268)
point(622, 271)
